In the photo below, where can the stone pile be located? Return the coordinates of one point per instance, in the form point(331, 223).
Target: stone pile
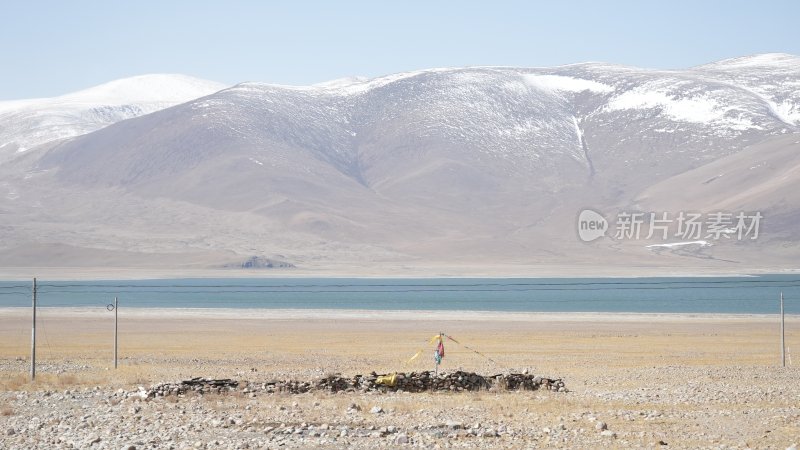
point(411, 382)
point(398, 382)
point(287, 386)
point(197, 385)
point(525, 382)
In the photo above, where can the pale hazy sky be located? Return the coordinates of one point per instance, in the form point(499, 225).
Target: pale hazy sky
point(54, 47)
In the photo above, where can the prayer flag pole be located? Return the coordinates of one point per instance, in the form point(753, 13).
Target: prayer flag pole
point(438, 354)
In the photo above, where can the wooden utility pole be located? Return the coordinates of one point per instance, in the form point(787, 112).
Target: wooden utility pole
point(116, 313)
point(783, 336)
point(33, 334)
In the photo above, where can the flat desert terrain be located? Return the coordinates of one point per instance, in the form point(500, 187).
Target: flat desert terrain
point(633, 380)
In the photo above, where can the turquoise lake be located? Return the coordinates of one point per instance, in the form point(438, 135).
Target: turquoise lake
point(745, 295)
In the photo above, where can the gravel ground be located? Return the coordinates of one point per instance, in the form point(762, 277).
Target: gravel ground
point(664, 407)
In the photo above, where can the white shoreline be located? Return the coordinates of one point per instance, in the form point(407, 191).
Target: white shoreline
point(387, 315)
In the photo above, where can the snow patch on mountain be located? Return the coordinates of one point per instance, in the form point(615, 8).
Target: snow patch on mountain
point(786, 111)
point(769, 60)
point(680, 244)
point(25, 124)
point(343, 86)
point(774, 77)
point(578, 131)
point(566, 84)
point(700, 109)
point(156, 88)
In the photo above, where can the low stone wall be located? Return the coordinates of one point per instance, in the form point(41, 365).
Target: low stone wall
point(428, 381)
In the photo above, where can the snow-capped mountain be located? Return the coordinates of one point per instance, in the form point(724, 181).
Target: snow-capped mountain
point(25, 124)
point(440, 165)
point(562, 125)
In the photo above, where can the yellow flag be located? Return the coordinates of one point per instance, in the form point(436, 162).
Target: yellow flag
point(414, 357)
